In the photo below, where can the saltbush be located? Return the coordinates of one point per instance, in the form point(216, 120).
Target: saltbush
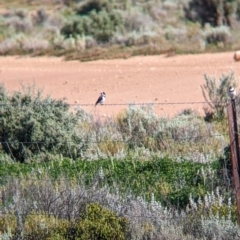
point(31, 125)
point(141, 127)
point(96, 18)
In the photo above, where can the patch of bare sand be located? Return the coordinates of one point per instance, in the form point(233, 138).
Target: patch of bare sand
point(157, 79)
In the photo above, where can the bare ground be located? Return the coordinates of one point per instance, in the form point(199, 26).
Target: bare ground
point(157, 79)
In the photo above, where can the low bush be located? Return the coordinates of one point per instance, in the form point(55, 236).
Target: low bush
point(100, 223)
point(217, 35)
point(141, 127)
point(85, 7)
point(96, 222)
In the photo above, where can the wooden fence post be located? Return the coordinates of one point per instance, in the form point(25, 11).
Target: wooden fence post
point(234, 145)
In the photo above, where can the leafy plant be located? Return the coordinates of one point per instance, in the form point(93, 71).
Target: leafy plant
point(171, 181)
point(100, 223)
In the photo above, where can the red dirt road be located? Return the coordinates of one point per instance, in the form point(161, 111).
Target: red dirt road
point(157, 79)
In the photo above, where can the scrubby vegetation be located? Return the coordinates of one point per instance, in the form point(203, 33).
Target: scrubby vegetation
point(32, 125)
point(35, 202)
point(65, 174)
point(91, 29)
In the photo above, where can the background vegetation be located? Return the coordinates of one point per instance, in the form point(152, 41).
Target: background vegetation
point(91, 29)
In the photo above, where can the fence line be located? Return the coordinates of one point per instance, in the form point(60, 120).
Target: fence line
point(117, 141)
point(139, 104)
point(120, 104)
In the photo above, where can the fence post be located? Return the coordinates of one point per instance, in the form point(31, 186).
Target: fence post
point(234, 145)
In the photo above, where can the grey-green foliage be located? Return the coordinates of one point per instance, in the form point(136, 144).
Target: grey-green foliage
point(215, 35)
point(94, 18)
point(143, 128)
point(215, 92)
point(138, 125)
point(31, 125)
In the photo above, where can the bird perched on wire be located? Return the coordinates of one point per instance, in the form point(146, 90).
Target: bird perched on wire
point(101, 99)
point(232, 92)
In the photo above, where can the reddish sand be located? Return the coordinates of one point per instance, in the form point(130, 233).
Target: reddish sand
point(157, 79)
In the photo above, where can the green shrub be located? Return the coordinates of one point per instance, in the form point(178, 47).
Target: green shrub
point(100, 223)
point(161, 176)
point(99, 24)
point(97, 223)
point(7, 221)
point(32, 125)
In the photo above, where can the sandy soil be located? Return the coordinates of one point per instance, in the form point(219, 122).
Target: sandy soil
point(157, 79)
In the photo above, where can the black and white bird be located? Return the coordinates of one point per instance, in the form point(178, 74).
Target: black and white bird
point(101, 99)
point(232, 92)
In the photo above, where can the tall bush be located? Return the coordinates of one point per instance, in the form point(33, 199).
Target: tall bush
point(31, 125)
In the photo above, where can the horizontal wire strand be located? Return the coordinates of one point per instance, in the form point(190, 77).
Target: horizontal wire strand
point(119, 104)
point(120, 141)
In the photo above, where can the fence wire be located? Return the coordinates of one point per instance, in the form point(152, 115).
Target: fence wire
point(121, 104)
